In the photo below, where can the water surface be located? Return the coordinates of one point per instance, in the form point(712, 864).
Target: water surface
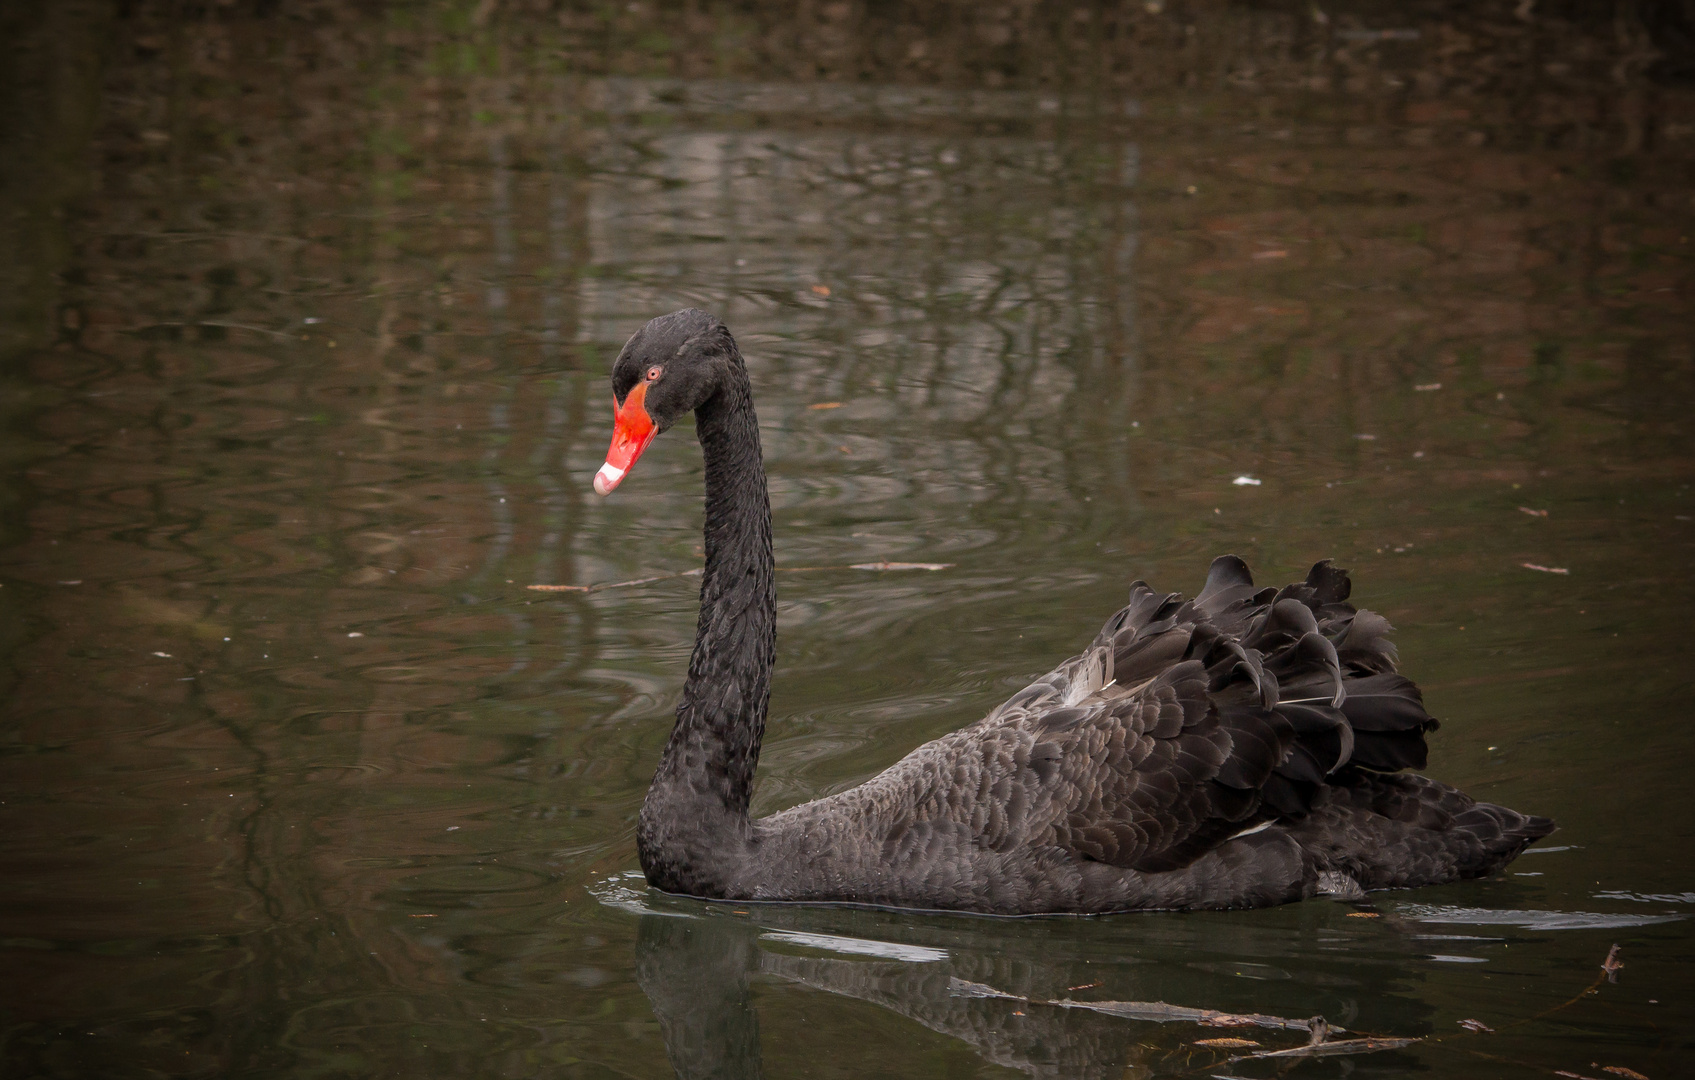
point(306, 361)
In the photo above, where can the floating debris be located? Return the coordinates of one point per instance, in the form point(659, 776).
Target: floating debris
point(1612, 965)
point(1339, 1046)
point(1246, 481)
point(821, 290)
point(1318, 1029)
point(825, 405)
point(1476, 1025)
point(1366, 438)
point(1532, 513)
point(1277, 254)
point(163, 655)
point(1620, 1070)
point(1157, 1011)
point(1545, 569)
point(355, 633)
point(1426, 387)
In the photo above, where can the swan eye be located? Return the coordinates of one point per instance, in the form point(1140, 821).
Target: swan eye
point(654, 372)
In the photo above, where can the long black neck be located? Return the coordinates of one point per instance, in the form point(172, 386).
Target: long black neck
point(694, 830)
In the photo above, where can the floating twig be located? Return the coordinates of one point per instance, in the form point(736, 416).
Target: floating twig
point(1545, 569)
point(1157, 1011)
point(1339, 1046)
point(1317, 1028)
point(1609, 973)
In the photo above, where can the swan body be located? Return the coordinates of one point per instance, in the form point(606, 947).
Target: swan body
point(1239, 749)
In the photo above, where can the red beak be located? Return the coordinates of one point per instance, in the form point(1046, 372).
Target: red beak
point(632, 430)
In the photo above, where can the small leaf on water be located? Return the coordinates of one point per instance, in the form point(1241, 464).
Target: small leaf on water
point(825, 405)
point(821, 290)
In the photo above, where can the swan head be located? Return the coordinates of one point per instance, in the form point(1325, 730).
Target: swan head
point(671, 366)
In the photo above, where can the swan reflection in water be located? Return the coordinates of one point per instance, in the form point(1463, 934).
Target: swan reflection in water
point(696, 963)
point(696, 973)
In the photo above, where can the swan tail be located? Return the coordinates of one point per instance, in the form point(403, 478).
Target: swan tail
point(1403, 830)
point(1305, 683)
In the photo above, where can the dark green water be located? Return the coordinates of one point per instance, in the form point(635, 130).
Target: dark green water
point(308, 317)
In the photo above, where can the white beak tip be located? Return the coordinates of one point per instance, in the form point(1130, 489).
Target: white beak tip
point(607, 478)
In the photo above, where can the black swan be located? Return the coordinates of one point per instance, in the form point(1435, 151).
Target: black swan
point(1240, 749)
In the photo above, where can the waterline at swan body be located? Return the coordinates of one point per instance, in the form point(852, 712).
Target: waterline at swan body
point(1243, 748)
